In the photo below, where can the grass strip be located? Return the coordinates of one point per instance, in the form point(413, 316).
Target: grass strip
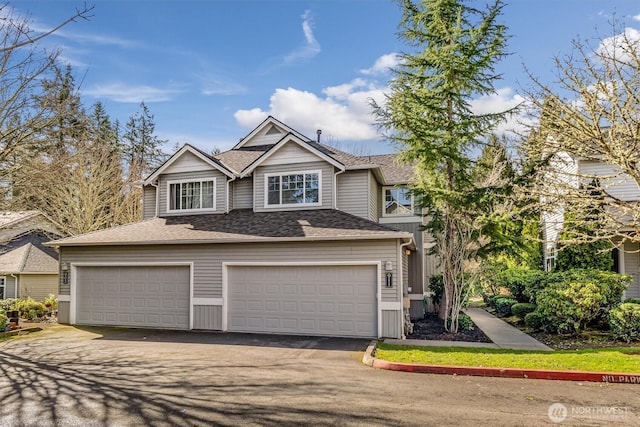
point(621, 360)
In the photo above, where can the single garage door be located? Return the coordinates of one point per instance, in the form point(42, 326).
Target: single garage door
point(140, 296)
point(307, 300)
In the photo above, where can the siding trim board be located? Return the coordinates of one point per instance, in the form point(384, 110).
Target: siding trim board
point(225, 281)
point(74, 285)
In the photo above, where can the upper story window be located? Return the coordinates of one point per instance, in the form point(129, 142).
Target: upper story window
point(293, 188)
point(398, 201)
point(192, 194)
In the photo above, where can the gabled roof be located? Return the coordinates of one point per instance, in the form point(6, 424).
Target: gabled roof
point(288, 138)
point(269, 121)
point(215, 163)
point(394, 171)
point(27, 259)
point(240, 226)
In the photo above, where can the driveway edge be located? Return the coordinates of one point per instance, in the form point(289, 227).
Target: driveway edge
point(539, 374)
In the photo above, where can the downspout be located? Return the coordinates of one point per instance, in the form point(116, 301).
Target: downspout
point(157, 196)
point(227, 199)
point(401, 284)
point(15, 285)
point(335, 189)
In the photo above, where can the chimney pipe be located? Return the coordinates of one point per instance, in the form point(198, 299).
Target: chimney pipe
point(319, 132)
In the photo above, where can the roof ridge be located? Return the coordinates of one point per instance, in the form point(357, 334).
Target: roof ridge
point(25, 256)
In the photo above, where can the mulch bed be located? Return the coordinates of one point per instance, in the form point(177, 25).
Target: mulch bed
point(432, 328)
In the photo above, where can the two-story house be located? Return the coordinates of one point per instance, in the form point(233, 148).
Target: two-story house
point(280, 234)
point(569, 172)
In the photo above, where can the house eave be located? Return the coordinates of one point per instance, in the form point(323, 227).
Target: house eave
point(406, 237)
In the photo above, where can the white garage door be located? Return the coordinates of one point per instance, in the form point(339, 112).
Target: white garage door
point(141, 296)
point(307, 300)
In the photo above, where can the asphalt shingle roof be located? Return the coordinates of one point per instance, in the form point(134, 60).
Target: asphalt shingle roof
point(241, 225)
point(27, 259)
point(394, 171)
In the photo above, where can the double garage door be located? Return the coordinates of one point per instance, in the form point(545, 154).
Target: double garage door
point(336, 300)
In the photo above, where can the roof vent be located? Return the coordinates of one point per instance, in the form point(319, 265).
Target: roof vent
point(319, 132)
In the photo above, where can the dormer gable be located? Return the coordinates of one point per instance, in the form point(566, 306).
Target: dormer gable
point(188, 159)
point(290, 150)
point(269, 132)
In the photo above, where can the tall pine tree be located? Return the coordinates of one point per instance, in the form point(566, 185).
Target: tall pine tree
point(428, 114)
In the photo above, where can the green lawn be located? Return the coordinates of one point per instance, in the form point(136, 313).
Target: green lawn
point(623, 359)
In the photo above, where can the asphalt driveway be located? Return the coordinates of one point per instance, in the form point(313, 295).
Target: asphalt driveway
point(67, 376)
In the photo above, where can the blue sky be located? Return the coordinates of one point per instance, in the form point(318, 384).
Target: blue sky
point(211, 70)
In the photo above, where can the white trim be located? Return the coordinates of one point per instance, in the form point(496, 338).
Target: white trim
point(291, 205)
point(64, 298)
point(384, 201)
point(73, 284)
point(269, 120)
point(391, 305)
point(285, 140)
point(225, 279)
point(178, 154)
point(183, 181)
point(391, 219)
point(206, 301)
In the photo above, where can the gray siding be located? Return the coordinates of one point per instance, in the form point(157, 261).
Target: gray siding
point(148, 202)
point(391, 326)
point(208, 259)
point(353, 193)
point(10, 287)
point(632, 267)
point(415, 278)
point(220, 188)
point(207, 317)
point(243, 193)
point(64, 308)
point(374, 195)
point(327, 184)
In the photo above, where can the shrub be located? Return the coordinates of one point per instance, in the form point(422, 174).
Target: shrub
point(624, 321)
point(436, 285)
point(8, 304)
point(465, 323)
point(633, 300)
point(503, 305)
point(28, 308)
point(571, 300)
point(518, 281)
point(522, 309)
point(533, 320)
point(3, 321)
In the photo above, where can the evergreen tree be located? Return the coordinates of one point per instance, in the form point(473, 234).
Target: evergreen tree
point(142, 148)
point(428, 114)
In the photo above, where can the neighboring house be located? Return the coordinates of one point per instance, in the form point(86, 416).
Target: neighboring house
point(27, 267)
point(280, 234)
point(571, 171)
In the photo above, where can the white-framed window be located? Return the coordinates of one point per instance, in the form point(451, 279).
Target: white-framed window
point(293, 188)
point(191, 195)
point(3, 281)
point(398, 201)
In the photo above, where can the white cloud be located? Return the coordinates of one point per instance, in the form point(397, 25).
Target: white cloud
point(504, 99)
point(636, 18)
point(311, 47)
point(382, 64)
point(212, 85)
point(621, 45)
point(347, 118)
point(121, 92)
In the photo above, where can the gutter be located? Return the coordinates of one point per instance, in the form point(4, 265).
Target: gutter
point(335, 188)
point(401, 284)
point(15, 285)
point(157, 197)
point(226, 210)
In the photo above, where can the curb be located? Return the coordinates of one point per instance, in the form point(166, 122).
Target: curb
point(538, 374)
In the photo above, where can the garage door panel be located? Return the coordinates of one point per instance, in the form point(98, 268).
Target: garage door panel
point(314, 300)
point(147, 296)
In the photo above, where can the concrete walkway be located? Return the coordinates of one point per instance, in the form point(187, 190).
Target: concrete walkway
point(500, 332)
point(503, 334)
